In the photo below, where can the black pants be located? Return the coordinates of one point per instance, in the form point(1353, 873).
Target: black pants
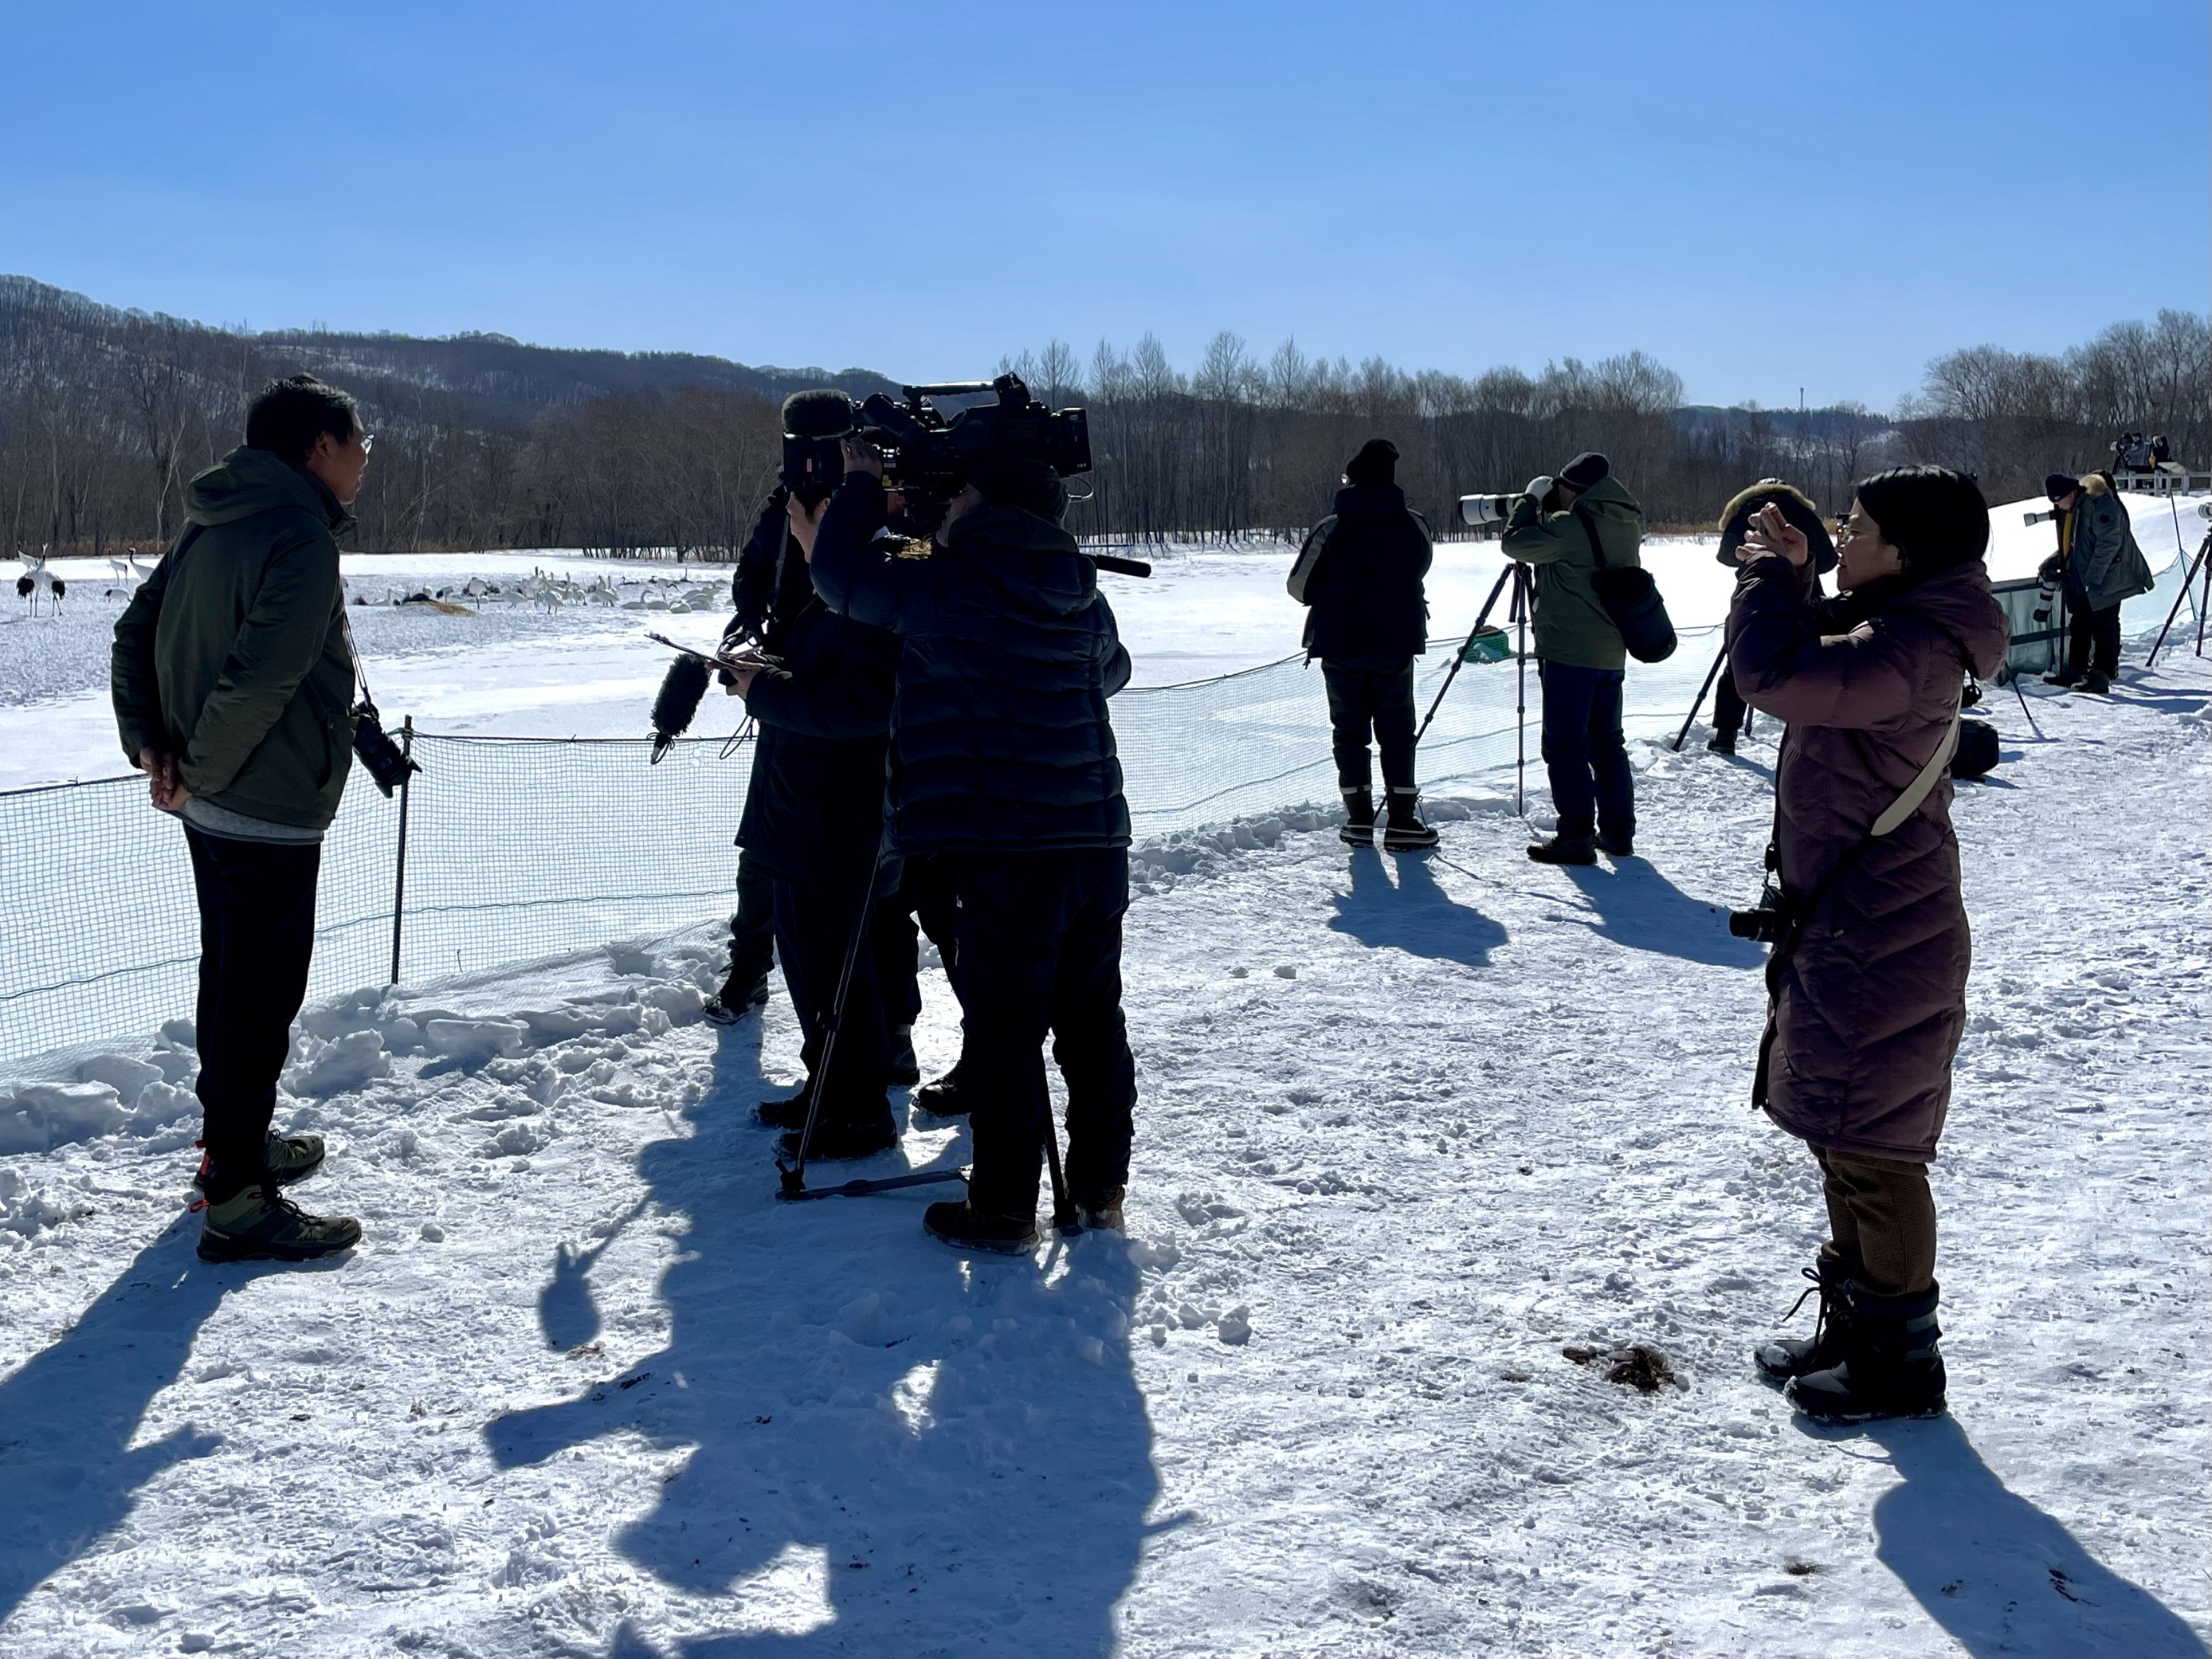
point(752, 930)
point(2092, 641)
point(1584, 753)
point(257, 938)
point(1729, 710)
point(813, 931)
point(1040, 942)
point(924, 893)
point(1361, 700)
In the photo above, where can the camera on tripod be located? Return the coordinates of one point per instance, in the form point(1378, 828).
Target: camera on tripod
point(1487, 509)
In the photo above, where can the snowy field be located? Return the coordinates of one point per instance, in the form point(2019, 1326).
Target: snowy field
point(1408, 1129)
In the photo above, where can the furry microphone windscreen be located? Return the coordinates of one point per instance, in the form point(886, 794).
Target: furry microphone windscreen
point(677, 700)
point(825, 413)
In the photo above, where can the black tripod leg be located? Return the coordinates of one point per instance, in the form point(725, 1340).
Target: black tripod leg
point(1521, 691)
point(2188, 581)
point(794, 1174)
point(1711, 674)
point(1063, 1207)
point(1481, 617)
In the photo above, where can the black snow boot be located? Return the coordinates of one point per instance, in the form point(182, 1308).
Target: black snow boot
point(1099, 1211)
point(1722, 743)
point(740, 994)
point(942, 1098)
point(1620, 846)
point(1565, 849)
point(2096, 684)
point(844, 1138)
point(967, 1228)
point(1406, 833)
point(782, 1111)
point(1893, 1363)
point(905, 1070)
point(2063, 677)
point(1358, 828)
point(1782, 1358)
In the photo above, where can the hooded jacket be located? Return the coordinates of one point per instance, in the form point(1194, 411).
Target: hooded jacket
point(1572, 625)
point(232, 655)
point(1869, 1009)
point(1001, 738)
point(2104, 565)
point(1360, 572)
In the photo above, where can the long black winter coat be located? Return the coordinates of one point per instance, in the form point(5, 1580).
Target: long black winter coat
point(815, 811)
point(1000, 737)
point(1361, 570)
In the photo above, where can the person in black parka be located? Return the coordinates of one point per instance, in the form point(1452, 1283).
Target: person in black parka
point(1359, 574)
point(814, 819)
point(1004, 767)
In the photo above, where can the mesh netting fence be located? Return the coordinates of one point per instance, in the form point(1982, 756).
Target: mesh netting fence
point(519, 848)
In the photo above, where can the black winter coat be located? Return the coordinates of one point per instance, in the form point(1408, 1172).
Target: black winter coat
point(1000, 733)
point(1360, 570)
point(815, 811)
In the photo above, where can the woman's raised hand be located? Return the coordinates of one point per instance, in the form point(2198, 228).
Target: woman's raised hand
point(1770, 532)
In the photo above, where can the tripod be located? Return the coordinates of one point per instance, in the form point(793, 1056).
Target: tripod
point(1518, 611)
point(1711, 674)
point(2201, 562)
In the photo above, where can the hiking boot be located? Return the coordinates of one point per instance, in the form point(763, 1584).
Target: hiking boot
point(2063, 677)
point(904, 1070)
point(941, 1098)
point(260, 1225)
point(967, 1228)
point(1893, 1363)
point(1619, 847)
point(1722, 743)
point(782, 1111)
point(1406, 833)
point(1100, 1212)
point(1358, 828)
point(2096, 684)
point(837, 1139)
point(1565, 849)
point(740, 994)
point(1782, 1358)
point(284, 1159)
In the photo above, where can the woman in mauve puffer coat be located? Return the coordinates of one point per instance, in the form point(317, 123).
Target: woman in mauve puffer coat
point(1869, 1005)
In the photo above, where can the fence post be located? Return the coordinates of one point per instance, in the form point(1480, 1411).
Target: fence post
point(399, 867)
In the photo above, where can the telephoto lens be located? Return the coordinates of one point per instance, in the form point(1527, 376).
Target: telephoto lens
point(1486, 509)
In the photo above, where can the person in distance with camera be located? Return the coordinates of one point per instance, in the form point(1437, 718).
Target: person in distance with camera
point(1359, 574)
point(1867, 977)
point(1728, 707)
point(2103, 568)
point(233, 679)
point(1004, 766)
point(1566, 527)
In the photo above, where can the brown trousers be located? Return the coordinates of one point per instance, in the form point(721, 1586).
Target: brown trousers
point(1881, 1219)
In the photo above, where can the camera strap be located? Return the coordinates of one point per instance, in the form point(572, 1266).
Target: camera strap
point(1801, 912)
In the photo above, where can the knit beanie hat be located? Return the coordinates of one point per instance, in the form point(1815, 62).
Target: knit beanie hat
point(2058, 484)
point(1377, 463)
point(1585, 470)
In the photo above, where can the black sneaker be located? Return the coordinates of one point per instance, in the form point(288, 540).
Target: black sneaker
point(285, 1158)
point(1565, 849)
point(260, 1225)
point(1406, 832)
point(739, 995)
point(1620, 846)
point(904, 1070)
point(838, 1139)
point(941, 1098)
point(782, 1111)
point(1358, 827)
point(967, 1228)
point(1722, 743)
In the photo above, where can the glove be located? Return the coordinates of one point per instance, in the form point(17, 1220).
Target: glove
point(1539, 487)
point(2050, 569)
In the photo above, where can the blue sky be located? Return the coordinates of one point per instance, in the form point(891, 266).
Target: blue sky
point(1763, 196)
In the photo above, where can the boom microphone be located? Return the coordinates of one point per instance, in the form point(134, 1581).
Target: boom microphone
point(676, 701)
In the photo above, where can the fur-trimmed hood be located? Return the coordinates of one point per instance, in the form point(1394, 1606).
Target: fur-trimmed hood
point(1796, 506)
point(2095, 484)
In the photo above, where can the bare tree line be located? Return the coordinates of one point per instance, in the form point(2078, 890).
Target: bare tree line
point(105, 414)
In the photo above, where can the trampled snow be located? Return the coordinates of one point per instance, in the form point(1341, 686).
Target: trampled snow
point(1409, 1129)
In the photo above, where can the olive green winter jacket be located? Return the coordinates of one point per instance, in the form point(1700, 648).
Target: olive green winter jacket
point(232, 655)
point(1572, 625)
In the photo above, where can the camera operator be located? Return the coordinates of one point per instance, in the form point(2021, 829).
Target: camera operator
point(2103, 568)
point(814, 819)
point(1004, 766)
point(233, 680)
point(1868, 977)
point(1566, 527)
point(1360, 572)
point(1729, 706)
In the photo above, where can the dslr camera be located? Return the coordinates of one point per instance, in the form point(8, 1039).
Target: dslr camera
point(1487, 509)
point(927, 453)
point(1767, 921)
point(386, 762)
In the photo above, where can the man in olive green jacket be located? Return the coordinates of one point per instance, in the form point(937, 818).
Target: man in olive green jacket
point(1562, 526)
point(233, 680)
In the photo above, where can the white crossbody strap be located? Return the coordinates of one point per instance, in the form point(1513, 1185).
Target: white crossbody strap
point(1916, 792)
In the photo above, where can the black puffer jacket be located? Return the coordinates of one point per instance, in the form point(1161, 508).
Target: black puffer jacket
point(815, 811)
point(1000, 737)
point(1360, 571)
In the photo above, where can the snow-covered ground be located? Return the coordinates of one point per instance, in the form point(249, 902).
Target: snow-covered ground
point(1409, 1129)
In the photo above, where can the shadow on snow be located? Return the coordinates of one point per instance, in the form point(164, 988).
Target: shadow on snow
point(1414, 913)
point(960, 1444)
point(1633, 904)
